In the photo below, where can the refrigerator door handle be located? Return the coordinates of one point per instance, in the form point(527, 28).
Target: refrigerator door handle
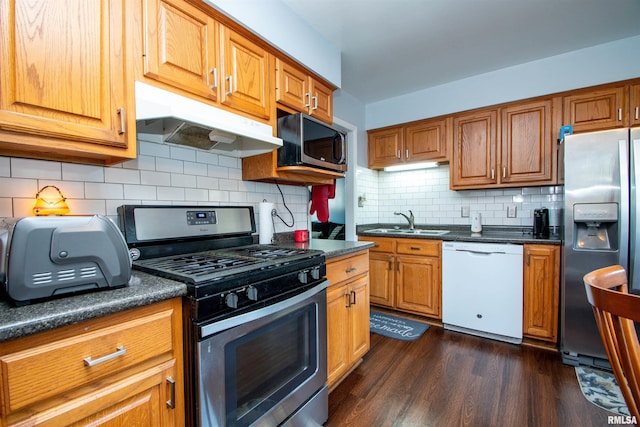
point(623, 250)
point(634, 262)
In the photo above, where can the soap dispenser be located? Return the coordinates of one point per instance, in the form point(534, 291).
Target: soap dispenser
point(476, 223)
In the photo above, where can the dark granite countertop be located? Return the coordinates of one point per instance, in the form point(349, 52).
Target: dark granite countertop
point(143, 289)
point(490, 234)
point(331, 248)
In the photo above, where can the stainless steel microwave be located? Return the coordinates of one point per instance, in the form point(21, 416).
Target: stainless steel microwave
point(310, 142)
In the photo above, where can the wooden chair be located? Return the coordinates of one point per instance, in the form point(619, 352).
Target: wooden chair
point(616, 310)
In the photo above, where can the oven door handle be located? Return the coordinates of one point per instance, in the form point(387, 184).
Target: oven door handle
point(232, 322)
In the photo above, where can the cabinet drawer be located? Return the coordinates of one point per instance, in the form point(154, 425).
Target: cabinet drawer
point(50, 369)
point(419, 247)
point(380, 244)
point(345, 268)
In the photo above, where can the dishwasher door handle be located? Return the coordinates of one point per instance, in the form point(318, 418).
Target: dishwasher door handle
point(480, 252)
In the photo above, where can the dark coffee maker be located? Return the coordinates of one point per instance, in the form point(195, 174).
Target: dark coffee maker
point(541, 223)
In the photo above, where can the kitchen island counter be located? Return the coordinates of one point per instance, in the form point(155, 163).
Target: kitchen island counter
point(143, 289)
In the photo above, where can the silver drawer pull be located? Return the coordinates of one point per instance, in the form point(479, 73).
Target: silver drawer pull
point(171, 403)
point(351, 270)
point(120, 351)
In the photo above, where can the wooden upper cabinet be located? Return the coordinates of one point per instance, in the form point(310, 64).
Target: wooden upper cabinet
point(634, 104)
point(596, 109)
point(426, 140)
point(473, 161)
point(181, 47)
point(385, 146)
point(246, 74)
point(65, 92)
point(528, 146)
point(298, 90)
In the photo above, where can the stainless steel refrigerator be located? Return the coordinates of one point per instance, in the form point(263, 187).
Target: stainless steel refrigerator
point(600, 229)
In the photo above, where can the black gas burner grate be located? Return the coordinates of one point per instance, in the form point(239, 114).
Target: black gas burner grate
point(194, 265)
point(270, 252)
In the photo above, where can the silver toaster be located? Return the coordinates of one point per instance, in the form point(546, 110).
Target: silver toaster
point(45, 257)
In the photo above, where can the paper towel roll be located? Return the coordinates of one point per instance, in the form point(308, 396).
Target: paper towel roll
point(265, 223)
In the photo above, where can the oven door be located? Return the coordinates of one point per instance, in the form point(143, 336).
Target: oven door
point(267, 366)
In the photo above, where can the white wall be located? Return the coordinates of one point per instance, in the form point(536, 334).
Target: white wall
point(162, 174)
point(277, 24)
point(604, 63)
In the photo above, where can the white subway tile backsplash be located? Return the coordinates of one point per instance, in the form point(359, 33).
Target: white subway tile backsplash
point(94, 190)
point(180, 153)
point(141, 192)
point(169, 165)
point(155, 178)
point(153, 149)
point(5, 166)
point(28, 168)
point(17, 187)
point(170, 194)
point(121, 176)
point(6, 207)
point(181, 180)
point(86, 173)
point(87, 206)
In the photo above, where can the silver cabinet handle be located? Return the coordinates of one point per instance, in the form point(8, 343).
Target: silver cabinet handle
point(308, 103)
point(504, 171)
point(350, 270)
point(315, 102)
point(493, 173)
point(406, 153)
point(123, 121)
point(398, 153)
point(120, 351)
point(214, 71)
point(637, 113)
point(230, 83)
point(171, 403)
point(353, 294)
point(619, 114)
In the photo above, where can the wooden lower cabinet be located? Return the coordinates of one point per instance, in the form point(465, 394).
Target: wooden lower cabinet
point(541, 291)
point(348, 335)
point(406, 275)
point(119, 370)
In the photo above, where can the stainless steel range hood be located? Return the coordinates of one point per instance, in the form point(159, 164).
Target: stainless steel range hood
point(163, 116)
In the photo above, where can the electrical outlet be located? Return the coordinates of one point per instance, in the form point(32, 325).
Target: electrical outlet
point(464, 211)
point(511, 211)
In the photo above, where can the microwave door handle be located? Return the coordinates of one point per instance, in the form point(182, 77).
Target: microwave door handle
point(339, 138)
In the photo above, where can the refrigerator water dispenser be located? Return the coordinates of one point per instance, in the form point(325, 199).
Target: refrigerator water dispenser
point(595, 226)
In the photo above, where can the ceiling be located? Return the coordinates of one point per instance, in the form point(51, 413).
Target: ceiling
point(394, 47)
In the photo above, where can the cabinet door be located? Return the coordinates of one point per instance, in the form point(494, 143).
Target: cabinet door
point(63, 73)
point(359, 314)
point(382, 277)
point(596, 110)
point(426, 140)
point(635, 105)
point(541, 291)
point(474, 149)
point(321, 101)
point(180, 44)
point(527, 143)
point(418, 285)
point(338, 335)
point(292, 87)
point(385, 147)
point(246, 73)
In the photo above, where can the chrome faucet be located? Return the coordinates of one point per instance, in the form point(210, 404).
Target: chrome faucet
point(409, 218)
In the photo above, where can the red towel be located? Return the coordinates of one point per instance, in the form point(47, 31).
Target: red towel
point(320, 195)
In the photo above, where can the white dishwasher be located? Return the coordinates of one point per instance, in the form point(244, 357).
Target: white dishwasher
point(482, 289)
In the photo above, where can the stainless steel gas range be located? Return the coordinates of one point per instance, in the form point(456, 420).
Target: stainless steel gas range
point(255, 315)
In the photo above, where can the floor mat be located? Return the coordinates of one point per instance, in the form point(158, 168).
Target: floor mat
point(600, 388)
point(396, 327)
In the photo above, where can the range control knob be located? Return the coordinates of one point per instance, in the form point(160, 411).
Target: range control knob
point(231, 300)
point(252, 293)
point(315, 273)
point(302, 277)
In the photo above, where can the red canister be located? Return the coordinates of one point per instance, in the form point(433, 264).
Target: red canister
point(301, 235)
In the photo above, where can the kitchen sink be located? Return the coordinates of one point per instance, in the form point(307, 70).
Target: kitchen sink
point(424, 232)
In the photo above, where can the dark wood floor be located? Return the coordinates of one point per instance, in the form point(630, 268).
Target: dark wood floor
point(447, 378)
